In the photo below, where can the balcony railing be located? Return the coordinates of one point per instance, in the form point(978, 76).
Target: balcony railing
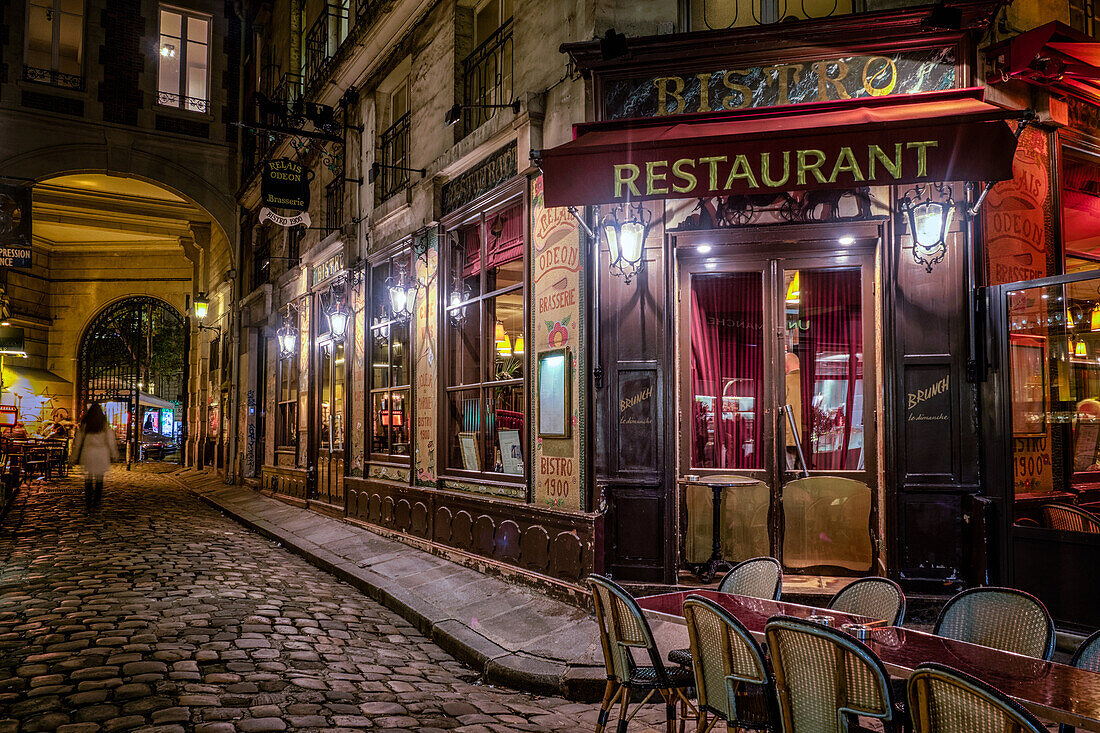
point(487, 77)
point(393, 150)
point(52, 77)
point(324, 37)
point(368, 11)
point(191, 104)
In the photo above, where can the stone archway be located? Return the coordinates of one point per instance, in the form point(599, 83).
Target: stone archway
point(133, 360)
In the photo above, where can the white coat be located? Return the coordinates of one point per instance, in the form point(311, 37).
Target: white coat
point(94, 451)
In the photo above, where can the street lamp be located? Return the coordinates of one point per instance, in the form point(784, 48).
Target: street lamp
point(626, 238)
point(402, 294)
point(202, 306)
point(929, 221)
point(287, 335)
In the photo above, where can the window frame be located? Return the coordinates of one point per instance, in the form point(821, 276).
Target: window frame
point(376, 323)
point(481, 213)
point(392, 181)
point(287, 367)
point(55, 73)
point(202, 105)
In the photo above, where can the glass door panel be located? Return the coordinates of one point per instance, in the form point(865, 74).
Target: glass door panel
point(826, 518)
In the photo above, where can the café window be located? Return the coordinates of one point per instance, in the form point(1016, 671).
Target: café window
point(484, 345)
point(183, 58)
point(1053, 385)
point(54, 51)
point(1081, 210)
point(389, 400)
point(286, 417)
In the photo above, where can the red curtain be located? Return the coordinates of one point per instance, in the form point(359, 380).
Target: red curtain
point(726, 360)
point(830, 347)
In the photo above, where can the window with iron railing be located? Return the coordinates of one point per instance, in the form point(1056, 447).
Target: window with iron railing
point(334, 205)
point(54, 52)
point(183, 60)
point(261, 255)
point(720, 14)
point(324, 38)
point(393, 154)
point(1082, 16)
point(294, 237)
point(487, 76)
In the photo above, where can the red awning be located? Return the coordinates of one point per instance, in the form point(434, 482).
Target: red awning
point(936, 136)
point(1051, 55)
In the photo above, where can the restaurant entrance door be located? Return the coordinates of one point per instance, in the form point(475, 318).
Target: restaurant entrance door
point(777, 355)
point(329, 416)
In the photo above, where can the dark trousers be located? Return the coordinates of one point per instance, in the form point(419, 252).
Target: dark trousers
point(93, 489)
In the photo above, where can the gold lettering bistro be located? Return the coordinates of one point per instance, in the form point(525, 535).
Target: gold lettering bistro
point(683, 176)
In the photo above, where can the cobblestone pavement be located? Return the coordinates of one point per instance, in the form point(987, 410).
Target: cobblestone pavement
point(157, 613)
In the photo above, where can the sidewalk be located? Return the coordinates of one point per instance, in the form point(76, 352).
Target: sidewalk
point(515, 637)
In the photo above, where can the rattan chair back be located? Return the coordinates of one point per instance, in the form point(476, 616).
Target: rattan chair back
point(879, 598)
point(1069, 518)
point(1087, 655)
point(760, 577)
point(822, 676)
point(623, 627)
point(727, 661)
point(1001, 618)
point(945, 700)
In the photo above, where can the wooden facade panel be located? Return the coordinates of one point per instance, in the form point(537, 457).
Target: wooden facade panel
point(931, 527)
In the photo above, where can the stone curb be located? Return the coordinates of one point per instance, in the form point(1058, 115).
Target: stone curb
point(497, 665)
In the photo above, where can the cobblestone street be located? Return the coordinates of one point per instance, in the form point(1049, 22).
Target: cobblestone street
point(155, 612)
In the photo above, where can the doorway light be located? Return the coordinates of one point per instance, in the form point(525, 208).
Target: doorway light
point(847, 240)
point(703, 249)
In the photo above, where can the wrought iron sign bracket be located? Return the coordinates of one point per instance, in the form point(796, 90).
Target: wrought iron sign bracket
point(1026, 118)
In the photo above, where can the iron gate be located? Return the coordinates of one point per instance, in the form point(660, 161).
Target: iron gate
point(134, 353)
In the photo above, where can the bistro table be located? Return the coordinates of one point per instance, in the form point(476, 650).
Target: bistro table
point(706, 570)
point(1050, 690)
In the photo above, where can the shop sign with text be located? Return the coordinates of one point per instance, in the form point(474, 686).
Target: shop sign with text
point(15, 226)
point(815, 80)
point(285, 185)
point(482, 178)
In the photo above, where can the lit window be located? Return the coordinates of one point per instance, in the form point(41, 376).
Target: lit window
point(286, 419)
point(182, 60)
point(55, 42)
point(390, 373)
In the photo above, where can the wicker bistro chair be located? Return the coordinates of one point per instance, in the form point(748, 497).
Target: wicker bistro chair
point(1069, 518)
point(733, 679)
point(824, 678)
point(1086, 657)
point(759, 577)
point(945, 700)
point(1000, 618)
point(879, 598)
point(624, 628)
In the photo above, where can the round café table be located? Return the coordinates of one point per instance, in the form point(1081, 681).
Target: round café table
point(706, 571)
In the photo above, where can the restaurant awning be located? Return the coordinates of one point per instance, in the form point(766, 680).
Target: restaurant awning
point(35, 381)
point(951, 135)
point(1050, 55)
point(147, 400)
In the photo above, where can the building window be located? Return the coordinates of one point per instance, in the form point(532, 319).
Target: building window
point(182, 75)
point(294, 237)
point(1080, 210)
point(54, 51)
point(1082, 16)
point(393, 146)
point(390, 374)
point(324, 37)
point(487, 71)
point(286, 411)
point(720, 14)
point(261, 254)
point(483, 357)
point(334, 205)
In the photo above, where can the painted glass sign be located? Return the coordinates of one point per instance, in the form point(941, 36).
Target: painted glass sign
point(820, 80)
point(328, 268)
point(12, 340)
point(484, 177)
point(15, 226)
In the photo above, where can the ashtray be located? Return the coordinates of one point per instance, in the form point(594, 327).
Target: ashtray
point(820, 619)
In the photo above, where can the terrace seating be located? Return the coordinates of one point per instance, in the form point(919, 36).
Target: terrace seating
point(1069, 518)
point(1000, 618)
point(945, 700)
point(879, 598)
point(824, 678)
point(733, 678)
point(624, 628)
point(1087, 657)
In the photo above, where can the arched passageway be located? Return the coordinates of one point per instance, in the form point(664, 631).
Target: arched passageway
point(132, 360)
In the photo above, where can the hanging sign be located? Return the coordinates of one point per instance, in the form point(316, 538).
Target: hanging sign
point(301, 218)
point(285, 185)
point(12, 340)
point(15, 226)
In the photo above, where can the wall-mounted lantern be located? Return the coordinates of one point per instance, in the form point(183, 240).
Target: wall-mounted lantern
point(287, 335)
point(929, 221)
point(626, 238)
point(401, 289)
point(334, 304)
point(202, 306)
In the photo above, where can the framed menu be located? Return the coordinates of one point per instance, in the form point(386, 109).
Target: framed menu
point(1027, 356)
point(554, 399)
point(511, 452)
point(471, 457)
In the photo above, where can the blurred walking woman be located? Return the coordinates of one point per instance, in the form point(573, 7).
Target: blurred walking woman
point(94, 448)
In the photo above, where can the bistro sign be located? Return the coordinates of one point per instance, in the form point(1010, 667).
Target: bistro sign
point(285, 185)
point(814, 80)
point(15, 226)
point(484, 177)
